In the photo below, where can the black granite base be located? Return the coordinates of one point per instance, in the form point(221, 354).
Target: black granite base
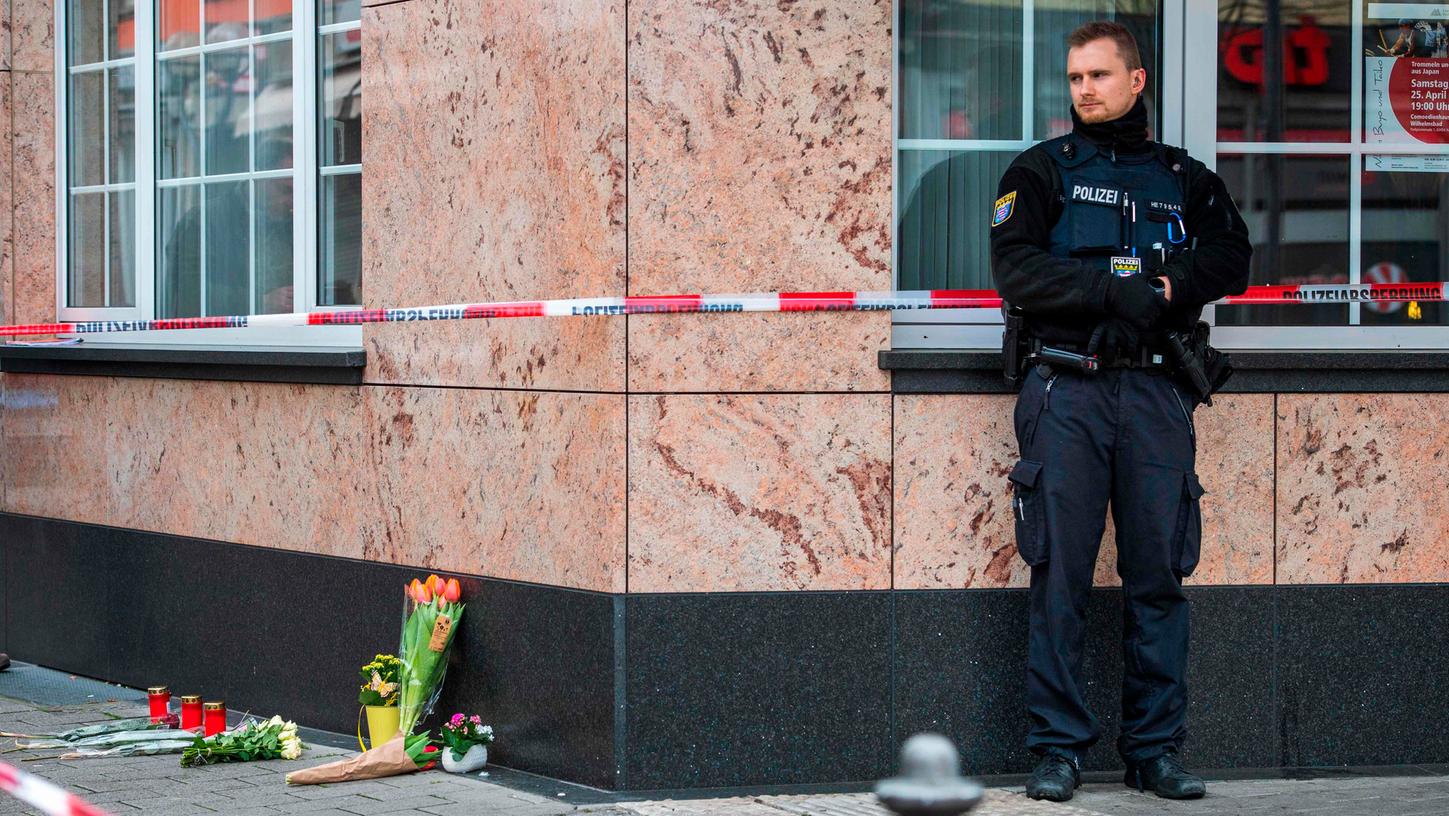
point(657, 692)
point(747, 689)
point(277, 632)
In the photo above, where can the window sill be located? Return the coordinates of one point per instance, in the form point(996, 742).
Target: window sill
point(959, 371)
point(321, 366)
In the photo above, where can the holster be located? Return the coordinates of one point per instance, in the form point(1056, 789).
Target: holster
point(1203, 367)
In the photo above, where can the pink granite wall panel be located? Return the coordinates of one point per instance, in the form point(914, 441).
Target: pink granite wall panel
point(524, 486)
point(759, 492)
point(33, 101)
point(953, 526)
point(7, 178)
point(759, 159)
point(1361, 495)
point(53, 434)
point(507, 484)
point(32, 35)
point(494, 142)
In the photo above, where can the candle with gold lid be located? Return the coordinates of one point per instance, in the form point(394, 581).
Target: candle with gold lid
point(159, 698)
point(213, 718)
point(191, 711)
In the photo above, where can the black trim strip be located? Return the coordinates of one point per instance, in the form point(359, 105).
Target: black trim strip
point(321, 366)
point(954, 371)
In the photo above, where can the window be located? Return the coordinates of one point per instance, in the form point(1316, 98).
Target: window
point(977, 83)
point(1337, 149)
point(231, 188)
point(1339, 169)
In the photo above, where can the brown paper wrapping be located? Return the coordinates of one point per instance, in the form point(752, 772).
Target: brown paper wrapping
point(441, 627)
point(389, 759)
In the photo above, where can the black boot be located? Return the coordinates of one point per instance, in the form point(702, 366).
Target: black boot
point(1054, 779)
point(1165, 776)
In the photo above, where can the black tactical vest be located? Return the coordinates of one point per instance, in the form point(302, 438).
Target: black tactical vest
point(1119, 210)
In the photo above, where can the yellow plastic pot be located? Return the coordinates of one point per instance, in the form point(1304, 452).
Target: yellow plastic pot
point(382, 724)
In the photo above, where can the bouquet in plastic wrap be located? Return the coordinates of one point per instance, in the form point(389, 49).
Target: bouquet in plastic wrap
point(432, 612)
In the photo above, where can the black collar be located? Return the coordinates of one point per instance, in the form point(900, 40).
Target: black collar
point(1125, 134)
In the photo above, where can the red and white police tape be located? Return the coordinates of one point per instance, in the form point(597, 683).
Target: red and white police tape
point(895, 301)
point(47, 797)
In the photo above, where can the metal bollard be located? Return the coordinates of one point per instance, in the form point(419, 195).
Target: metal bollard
point(930, 783)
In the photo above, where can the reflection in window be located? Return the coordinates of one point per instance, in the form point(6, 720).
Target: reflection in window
point(1296, 208)
point(99, 141)
point(339, 133)
point(1296, 92)
point(960, 70)
point(961, 78)
point(1405, 232)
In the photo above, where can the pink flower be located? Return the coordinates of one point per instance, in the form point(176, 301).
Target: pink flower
point(456, 720)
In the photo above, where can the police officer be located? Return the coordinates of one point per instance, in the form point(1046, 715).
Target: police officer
point(1107, 241)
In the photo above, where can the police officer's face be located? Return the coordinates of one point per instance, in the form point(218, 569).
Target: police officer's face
point(1102, 87)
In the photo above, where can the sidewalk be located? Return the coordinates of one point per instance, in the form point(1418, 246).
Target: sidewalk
point(160, 786)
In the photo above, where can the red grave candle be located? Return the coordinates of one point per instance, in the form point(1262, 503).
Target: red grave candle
point(160, 699)
point(213, 718)
point(191, 711)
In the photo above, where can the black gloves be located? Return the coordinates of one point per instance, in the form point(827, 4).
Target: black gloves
point(1134, 300)
point(1113, 338)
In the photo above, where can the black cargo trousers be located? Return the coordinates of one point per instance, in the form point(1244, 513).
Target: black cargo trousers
point(1124, 435)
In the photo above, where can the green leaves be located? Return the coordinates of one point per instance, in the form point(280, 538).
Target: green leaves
point(273, 739)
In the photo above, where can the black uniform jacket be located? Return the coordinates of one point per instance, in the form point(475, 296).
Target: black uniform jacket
point(1065, 299)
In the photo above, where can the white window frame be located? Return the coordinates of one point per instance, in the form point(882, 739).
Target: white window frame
point(1189, 94)
point(304, 38)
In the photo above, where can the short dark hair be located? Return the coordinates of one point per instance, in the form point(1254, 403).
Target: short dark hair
point(1108, 30)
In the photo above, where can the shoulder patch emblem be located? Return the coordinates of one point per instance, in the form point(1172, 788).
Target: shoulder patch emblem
point(1004, 207)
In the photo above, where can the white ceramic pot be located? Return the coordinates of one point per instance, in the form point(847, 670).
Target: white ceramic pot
point(476, 758)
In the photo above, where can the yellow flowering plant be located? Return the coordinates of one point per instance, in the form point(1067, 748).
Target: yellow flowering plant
point(380, 681)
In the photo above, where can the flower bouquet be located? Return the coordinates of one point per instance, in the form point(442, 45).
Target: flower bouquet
point(129, 737)
point(378, 697)
point(465, 741)
point(399, 755)
point(272, 739)
point(427, 633)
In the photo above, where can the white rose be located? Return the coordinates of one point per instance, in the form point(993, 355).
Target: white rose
point(291, 748)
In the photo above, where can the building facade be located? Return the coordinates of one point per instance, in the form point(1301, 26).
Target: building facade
point(698, 550)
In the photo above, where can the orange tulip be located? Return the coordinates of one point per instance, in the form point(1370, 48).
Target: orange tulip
point(414, 591)
point(425, 595)
point(451, 591)
point(435, 584)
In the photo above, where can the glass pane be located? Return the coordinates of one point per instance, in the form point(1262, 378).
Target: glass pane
point(87, 250)
point(960, 70)
point(273, 15)
point(123, 124)
point(1053, 22)
point(178, 237)
point(123, 248)
point(1296, 208)
point(226, 20)
point(178, 117)
point(945, 211)
point(1405, 232)
point(274, 245)
point(340, 281)
point(228, 110)
point(341, 129)
point(1296, 92)
point(121, 27)
point(274, 106)
point(87, 129)
point(228, 248)
point(338, 11)
point(1406, 74)
point(87, 23)
point(178, 23)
